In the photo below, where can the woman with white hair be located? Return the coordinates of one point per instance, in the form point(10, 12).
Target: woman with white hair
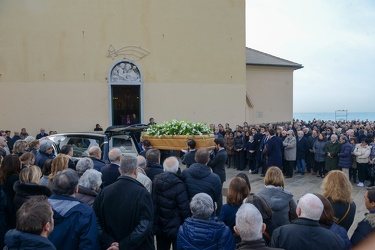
point(83, 165)
point(88, 186)
point(199, 232)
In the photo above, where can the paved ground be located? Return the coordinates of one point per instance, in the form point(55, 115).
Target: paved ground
point(300, 185)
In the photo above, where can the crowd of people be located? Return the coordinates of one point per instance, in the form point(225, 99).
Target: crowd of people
point(314, 147)
point(51, 201)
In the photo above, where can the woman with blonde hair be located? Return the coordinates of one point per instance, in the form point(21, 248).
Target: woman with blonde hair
point(28, 186)
point(329, 221)
point(237, 192)
point(27, 159)
point(337, 188)
point(280, 200)
point(20, 147)
point(58, 164)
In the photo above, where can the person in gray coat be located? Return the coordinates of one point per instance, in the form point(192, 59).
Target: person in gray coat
point(290, 152)
point(280, 200)
point(319, 149)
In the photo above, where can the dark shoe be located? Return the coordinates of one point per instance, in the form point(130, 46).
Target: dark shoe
point(302, 173)
point(262, 175)
point(323, 176)
point(318, 176)
point(297, 172)
point(254, 172)
point(287, 176)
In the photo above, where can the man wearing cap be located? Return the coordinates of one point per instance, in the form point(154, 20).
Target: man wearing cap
point(45, 152)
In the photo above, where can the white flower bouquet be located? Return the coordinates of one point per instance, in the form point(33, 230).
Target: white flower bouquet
point(173, 135)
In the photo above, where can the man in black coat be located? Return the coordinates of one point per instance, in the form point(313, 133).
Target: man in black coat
point(274, 150)
point(171, 204)
point(302, 149)
point(153, 166)
point(41, 134)
point(305, 232)
point(110, 173)
point(125, 211)
point(199, 179)
point(218, 163)
point(188, 158)
point(95, 154)
point(147, 146)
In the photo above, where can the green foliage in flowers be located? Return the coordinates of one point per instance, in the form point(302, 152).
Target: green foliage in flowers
point(175, 127)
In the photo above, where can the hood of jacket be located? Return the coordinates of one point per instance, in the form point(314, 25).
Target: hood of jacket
point(166, 181)
point(202, 233)
point(199, 171)
point(276, 197)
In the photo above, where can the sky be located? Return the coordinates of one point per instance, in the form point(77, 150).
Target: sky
point(333, 39)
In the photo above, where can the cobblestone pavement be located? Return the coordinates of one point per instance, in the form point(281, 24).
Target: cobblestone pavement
point(300, 185)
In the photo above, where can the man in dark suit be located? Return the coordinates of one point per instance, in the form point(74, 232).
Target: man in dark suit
point(258, 138)
point(110, 173)
point(41, 134)
point(218, 163)
point(274, 150)
point(147, 146)
point(188, 158)
point(95, 154)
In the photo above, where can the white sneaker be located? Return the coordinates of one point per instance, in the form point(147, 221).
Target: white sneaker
point(250, 171)
point(360, 184)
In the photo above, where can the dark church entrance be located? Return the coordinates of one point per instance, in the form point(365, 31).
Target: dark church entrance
point(126, 104)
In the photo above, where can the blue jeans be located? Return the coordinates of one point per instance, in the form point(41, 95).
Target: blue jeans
point(301, 164)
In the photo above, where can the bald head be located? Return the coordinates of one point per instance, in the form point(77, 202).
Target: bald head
point(310, 207)
point(141, 162)
point(171, 165)
point(114, 155)
point(95, 152)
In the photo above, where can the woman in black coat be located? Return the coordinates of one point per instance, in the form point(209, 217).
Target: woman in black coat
point(9, 171)
point(28, 186)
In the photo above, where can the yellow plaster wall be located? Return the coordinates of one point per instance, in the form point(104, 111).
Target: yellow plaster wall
point(57, 50)
point(271, 91)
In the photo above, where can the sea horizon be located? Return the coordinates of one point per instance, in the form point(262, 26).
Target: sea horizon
point(335, 116)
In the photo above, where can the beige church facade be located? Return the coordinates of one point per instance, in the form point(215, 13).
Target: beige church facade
point(269, 88)
point(67, 65)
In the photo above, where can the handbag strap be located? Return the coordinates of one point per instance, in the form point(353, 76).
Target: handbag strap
point(267, 235)
point(347, 211)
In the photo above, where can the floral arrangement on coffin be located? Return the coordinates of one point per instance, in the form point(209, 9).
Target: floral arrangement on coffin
point(174, 135)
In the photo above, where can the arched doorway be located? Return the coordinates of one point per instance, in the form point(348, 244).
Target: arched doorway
point(125, 88)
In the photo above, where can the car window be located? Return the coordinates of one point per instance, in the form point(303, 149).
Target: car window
point(125, 144)
point(80, 145)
